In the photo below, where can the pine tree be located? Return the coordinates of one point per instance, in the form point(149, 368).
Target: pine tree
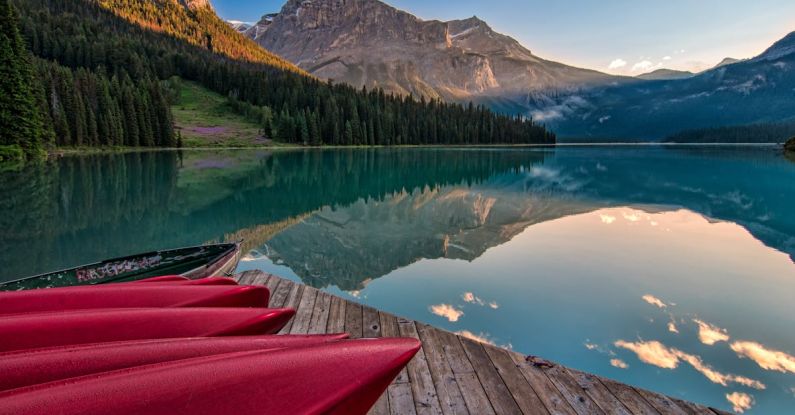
point(20, 121)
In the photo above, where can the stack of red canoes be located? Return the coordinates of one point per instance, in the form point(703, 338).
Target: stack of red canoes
point(168, 345)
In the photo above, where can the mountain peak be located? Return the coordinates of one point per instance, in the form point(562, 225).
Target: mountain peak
point(783, 47)
point(370, 43)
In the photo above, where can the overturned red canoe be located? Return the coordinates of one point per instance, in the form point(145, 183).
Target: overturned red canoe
point(344, 377)
point(185, 281)
point(131, 295)
point(164, 278)
point(26, 368)
point(35, 330)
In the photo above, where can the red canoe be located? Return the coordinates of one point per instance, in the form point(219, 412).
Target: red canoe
point(131, 295)
point(177, 280)
point(26, 368)
point(164, 278)
point(345, 377)
point(35, 330)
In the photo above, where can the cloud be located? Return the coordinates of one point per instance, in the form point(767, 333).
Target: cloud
point(654, 301)
point(652, 352)
point(591, 346)
point(741, 402)
point(766, 358)
point(672, 327)
point(644, 66)
point(666, 58)
point(715, 376)
point(473, 299)
point(608, 219)
point(619, 363)
point(709, 334)
point(447, 311)
point(632, 217)
point(617, 63)
point(657, 354)
point(481, 338)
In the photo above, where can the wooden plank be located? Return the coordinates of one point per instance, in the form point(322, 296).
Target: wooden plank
point(692, 407)
point(336, 316)
point(599, 393)
point(320, 314)
point(353, 319)
point(400, 400)
point(272, 283)
point(279, 295)
point(500, 397)
point(549, 394)
point(636, 403)
point(303, 313)
point(381, 406)
point(474, 395)
point(661, 403)
point(447, 389)
point(371, 323)
point(246, 277)
point(292, 301)
point(260, 279)
point(517, 385)
point(425, 398)
point(389, 328)
point(574, 394)
point(629, 397)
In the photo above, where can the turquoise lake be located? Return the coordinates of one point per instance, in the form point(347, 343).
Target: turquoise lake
point(668, 268)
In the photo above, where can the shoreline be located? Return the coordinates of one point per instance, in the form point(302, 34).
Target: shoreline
point(60, 151)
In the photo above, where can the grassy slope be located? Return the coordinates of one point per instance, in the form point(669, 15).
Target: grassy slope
point(205, 119)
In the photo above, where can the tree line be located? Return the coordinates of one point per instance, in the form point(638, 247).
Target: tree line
point(753, 133)
point(97, 71)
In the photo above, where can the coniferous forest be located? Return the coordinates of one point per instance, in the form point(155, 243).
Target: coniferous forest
point(95, 73)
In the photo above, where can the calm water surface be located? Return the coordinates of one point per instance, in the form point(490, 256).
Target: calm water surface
point(667, 268)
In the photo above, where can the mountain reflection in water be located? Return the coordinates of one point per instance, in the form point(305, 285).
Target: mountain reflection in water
point(664, 267)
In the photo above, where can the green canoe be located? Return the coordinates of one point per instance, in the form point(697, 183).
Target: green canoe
point(192, 262)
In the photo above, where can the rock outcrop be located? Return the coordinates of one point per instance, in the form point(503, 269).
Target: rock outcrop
point(369, 43)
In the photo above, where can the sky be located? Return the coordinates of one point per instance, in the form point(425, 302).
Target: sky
point(625, 37)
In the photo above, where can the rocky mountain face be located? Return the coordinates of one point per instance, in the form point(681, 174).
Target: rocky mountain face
point(369, 43)
point(196, 4)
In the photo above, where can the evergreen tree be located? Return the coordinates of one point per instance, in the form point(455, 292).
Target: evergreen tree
point(20, 121)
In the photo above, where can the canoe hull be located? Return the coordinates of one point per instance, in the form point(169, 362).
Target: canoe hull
point(344, 377)
point(132, 296)
point(36, 330)
point(29, 368)
point(192, 262)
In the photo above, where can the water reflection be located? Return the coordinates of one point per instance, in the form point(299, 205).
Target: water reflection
point(674, 267)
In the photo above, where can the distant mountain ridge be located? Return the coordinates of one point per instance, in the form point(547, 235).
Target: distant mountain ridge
point(665, 74)
point(760, 90)
point(369, 43)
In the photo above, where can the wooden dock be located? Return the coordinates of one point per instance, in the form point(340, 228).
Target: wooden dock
point(456, 375)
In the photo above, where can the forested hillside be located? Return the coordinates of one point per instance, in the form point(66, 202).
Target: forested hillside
point(100, 68)
point(754, 133)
